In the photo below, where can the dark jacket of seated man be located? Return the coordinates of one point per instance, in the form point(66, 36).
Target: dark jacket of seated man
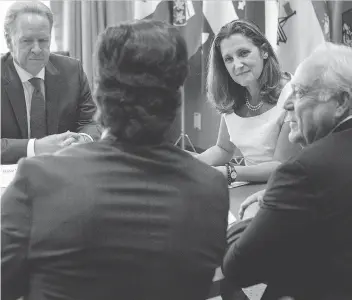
point(300, 241)
point(69, 104)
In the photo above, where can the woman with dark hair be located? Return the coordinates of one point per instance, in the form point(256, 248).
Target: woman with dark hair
point(244, 83)
point(130, 216)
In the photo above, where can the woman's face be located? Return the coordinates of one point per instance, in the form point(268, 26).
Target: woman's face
point(243, 60)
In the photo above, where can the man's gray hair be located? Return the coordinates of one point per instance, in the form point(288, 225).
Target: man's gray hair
point(333, 62)
point(18, 8)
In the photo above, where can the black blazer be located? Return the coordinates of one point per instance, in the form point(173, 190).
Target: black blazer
point(69, 104)
point(300, 241)
point(107, 221)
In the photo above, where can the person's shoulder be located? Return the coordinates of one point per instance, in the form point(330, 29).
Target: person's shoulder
point(5, 57)
point(5, 60)
point(208, 176)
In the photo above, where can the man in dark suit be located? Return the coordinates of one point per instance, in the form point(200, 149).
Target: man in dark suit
point(300, 240)
point(46, 102)
point(130, 216)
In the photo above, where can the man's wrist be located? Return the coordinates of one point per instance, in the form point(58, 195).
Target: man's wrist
point(30, 148)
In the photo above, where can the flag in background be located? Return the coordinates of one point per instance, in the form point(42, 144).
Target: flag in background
point(302, 26)
point(152, 9)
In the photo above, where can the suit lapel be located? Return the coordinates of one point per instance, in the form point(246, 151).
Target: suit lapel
point(14, 89)
point(53, 87)
point(343, 126)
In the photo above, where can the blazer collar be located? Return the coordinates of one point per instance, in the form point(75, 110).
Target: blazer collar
point(344, 125)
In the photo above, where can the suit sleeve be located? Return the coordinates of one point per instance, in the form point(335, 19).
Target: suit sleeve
point(15, 231)
point(269, 245)
point(12, 150)
point(86, 109)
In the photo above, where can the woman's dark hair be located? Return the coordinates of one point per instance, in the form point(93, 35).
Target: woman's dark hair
point(140, 68)
point(224, 93)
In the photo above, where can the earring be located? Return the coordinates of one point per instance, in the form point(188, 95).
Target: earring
point(265, 56)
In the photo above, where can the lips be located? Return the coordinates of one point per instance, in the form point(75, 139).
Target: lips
point(242, 73)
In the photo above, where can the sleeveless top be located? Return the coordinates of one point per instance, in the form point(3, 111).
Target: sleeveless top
point(256, 136)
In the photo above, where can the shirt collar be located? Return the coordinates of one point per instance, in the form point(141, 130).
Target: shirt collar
point(25, 76)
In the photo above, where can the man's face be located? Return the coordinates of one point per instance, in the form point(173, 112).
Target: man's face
point(30, 42)
point(311, 117)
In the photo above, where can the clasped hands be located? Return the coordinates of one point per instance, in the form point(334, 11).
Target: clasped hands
point(55, 142)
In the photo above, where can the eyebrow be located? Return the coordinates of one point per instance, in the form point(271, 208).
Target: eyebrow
point(237, 50)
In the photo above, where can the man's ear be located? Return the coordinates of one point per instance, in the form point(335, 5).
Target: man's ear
point(344, 104)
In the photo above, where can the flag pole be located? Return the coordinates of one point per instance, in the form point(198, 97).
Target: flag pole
point(180, 15)
point(183, 135)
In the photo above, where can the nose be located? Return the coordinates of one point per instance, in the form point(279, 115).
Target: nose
point(237, 64)
point(36, 49)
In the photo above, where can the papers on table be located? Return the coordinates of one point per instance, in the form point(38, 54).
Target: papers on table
point(7, 174)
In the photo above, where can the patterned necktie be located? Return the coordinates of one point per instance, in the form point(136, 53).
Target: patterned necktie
point(38, 127)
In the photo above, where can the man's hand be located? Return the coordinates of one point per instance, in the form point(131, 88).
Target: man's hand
point(54, 142)
point(82, 139)
point(256, 197)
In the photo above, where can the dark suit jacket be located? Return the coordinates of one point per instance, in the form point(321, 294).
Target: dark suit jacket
point(300, 241)
point(106, 221)
point(69, 104)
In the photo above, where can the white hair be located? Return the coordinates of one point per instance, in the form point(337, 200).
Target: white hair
point(333, 63)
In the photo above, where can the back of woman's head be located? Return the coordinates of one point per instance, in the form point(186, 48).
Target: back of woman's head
point(223, 92)
point(140, 69)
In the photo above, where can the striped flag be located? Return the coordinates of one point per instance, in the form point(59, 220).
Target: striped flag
point(302, 26)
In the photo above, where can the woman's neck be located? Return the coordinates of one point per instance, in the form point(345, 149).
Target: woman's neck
point(254, 93)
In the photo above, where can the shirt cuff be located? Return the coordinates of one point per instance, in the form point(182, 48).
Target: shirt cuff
point(30, 148)
point(87, 137)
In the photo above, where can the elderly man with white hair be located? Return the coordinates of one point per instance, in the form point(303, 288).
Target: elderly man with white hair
point(300, 243)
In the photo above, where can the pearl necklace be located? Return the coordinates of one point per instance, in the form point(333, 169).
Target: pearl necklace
point(253, 107)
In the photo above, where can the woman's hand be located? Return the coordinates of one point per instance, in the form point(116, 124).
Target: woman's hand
point(256, 197)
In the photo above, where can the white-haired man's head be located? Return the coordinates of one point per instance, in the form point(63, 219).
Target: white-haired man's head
point(321, 93)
